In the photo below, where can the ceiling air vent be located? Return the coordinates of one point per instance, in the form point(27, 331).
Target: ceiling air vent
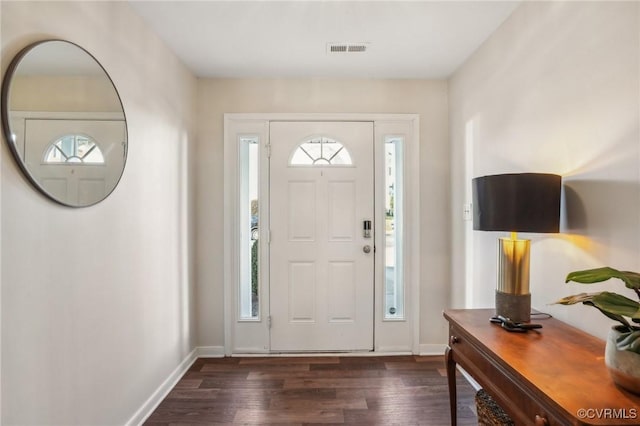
point(346, 47)
point(357, 48)
point(333, 48)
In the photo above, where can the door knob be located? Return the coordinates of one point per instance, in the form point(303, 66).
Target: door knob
point(366, 249)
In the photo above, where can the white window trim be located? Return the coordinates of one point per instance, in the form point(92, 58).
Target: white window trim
point(314, 164)
point(388, 339)
point(54, 143)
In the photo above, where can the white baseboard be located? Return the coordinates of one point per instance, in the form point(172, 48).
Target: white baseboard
point(432, 349)
point(163, 390)
point(210, 352)
point(393, 350)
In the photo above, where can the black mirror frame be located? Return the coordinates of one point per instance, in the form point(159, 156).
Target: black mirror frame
point(6, 127)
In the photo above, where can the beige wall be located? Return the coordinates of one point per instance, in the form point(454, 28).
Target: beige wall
point(97, 302)
point(555, 89)
point(427, 98)
point(68, 94)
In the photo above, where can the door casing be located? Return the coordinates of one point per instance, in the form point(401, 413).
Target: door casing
point(391, 336)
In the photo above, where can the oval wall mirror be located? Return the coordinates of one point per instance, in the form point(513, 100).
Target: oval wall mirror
point(64, 122)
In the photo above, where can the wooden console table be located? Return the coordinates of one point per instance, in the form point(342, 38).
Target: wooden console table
point(552, 376)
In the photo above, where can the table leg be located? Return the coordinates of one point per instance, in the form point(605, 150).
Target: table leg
point(451, 379)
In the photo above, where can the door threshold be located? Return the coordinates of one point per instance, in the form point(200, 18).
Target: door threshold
point(319, 354)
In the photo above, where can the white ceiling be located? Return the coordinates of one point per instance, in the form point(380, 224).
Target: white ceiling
point(407, 39)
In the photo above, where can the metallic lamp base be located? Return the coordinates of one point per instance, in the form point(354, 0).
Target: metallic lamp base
point(516, 307)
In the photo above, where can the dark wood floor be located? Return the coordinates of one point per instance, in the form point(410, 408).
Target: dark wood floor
point(396, 390)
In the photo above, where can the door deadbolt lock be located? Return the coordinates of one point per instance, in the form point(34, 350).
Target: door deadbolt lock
point(366, 229)
point(366, 249)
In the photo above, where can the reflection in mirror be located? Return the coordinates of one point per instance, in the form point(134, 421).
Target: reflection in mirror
point(64, 122)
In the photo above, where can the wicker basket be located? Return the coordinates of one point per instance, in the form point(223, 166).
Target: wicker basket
point(489, 412)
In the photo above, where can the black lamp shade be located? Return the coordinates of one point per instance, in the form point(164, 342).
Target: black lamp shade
point(517, 202)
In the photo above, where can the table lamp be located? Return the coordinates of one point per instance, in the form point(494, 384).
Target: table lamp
point(516, 202)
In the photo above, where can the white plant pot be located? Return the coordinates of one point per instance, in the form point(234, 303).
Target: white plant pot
point(624, 366)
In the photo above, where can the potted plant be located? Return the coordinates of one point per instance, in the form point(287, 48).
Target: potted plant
point(622, 353)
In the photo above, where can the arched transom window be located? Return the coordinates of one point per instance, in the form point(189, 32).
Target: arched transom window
point(321, 151)
point(74, 149)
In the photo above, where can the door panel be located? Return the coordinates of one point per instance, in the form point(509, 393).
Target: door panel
point(342, 292)
point(301, 291)
point(321, 284)
point(342, 211)
point(302, 210)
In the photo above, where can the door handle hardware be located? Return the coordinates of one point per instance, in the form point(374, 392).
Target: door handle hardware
point(366, 249)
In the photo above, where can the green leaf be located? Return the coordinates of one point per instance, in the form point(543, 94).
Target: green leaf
point(574, 299)
point(631, 279)
point(622, 320)
point(616, 304)
point(590, 276)
point(612, 305)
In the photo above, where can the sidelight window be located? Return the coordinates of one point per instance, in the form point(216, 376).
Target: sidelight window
point(249, 229)
point(393, 257)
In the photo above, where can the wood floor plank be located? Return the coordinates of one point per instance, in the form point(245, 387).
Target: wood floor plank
point(186, 383)
point(380, 358)
point(233, 374)
point(311, 374)
point(321, 404)
point(176, 415)
point(242, 368)
point(290, 360)
point(286, 416)
point(275, 393)
point(416, 392)
point(421, 380)
point(402, 416)
point(179, 393)
point(422, 366)
point(212, 382)
point(216, 404)
point(337, 383)
point(346, 366)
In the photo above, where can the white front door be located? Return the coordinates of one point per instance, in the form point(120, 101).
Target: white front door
point(75, 182)
point(321, 263)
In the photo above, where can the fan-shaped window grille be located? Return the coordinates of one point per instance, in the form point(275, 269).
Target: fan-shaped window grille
point(321, 151)
point(74, 149)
